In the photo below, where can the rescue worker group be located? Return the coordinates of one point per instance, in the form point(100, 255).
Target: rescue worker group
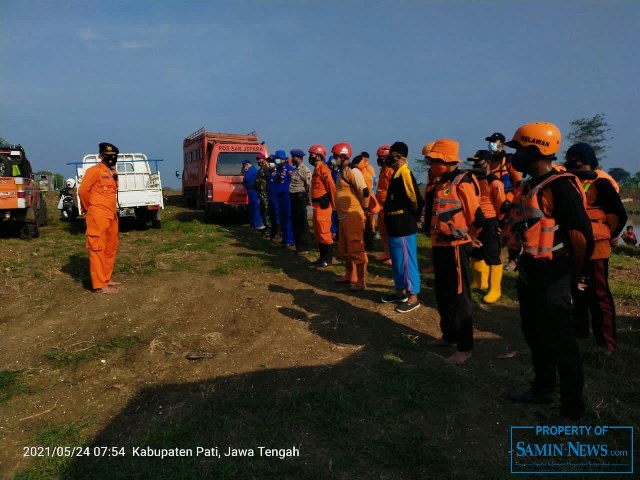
point(558, 224)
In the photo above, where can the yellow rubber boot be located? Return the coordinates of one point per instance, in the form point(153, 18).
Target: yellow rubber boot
point(495, 290)
point(480, 275)
point(484, 275)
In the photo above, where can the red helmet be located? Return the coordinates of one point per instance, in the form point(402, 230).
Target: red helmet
point(341, 149)
point(318, 150)
point(383, 150)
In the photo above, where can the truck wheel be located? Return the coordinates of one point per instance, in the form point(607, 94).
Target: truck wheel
point(157, 224)
point(30, 230)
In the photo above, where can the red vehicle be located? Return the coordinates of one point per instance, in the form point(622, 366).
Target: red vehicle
point(212, 172)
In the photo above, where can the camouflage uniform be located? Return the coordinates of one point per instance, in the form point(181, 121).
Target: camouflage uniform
point(261, 188)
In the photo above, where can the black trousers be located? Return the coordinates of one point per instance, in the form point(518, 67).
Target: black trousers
point(490, 239)
point(369, 234)
point(598, 301)
point(453, 295)
point(546, 310)
point(299, 225)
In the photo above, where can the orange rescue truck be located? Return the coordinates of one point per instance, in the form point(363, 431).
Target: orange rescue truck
point(21, 202)
point(212, 171)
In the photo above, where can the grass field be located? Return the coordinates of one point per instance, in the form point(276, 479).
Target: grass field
point(296, 361)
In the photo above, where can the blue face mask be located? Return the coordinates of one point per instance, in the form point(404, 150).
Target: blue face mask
point(278, 161)
point(493, 146)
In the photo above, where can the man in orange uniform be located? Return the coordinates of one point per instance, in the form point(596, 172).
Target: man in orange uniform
point(550, 224)
point(456, 218)
point(352, 199)
point(99, 197)
point(501, 165)
point(486, 264)
point(608, 217)
point(361, 162)
point(381, 194)
point(323, 199)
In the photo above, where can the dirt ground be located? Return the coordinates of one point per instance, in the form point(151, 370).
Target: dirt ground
point(111, 368)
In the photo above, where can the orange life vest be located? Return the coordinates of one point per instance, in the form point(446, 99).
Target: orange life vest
point(531, 226)
point(599, 224)
point(448, 218)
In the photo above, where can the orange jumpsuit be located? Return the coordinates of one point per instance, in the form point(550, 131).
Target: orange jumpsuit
point(98, 198)
point(323, 199)
point(386, 173)
point(349, 204)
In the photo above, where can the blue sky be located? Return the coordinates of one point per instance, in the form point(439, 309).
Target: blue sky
point(145, 74)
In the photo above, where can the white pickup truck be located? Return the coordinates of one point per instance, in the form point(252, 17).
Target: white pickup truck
point(139, 188)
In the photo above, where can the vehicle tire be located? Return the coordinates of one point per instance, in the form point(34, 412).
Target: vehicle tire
point(157, 224)
point(5, 167)
point(209, 216)
point(30, 230)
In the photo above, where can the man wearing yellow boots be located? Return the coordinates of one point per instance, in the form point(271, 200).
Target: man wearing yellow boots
point(486, 265)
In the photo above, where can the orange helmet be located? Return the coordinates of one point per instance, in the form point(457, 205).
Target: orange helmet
point(383, 150)
point(341, 149)
point(427, 148)
point(544, 136)
point(318, 150)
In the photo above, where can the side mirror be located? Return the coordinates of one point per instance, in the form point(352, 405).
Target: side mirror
point(177, 173)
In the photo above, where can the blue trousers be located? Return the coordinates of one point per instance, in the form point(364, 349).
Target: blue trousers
point(255, 219)
point(404, 258)
point(274, 213)
point(334, 222)
point(284, 210)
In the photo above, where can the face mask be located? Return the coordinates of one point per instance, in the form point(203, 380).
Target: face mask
point(520, 161)
point(437, 169)
point(380, 161)
point(493, 146)
point(479, 171)
point(111, 160)
point(390, 161)
point(278, 161)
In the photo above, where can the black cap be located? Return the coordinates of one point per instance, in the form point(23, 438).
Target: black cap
point(484, 155)
point(399, 147)
point(584, 153)
point(106, 148)
point(496, 136)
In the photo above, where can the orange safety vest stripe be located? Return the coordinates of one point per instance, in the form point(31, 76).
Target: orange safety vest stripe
point(448, 217)
point(535, 227)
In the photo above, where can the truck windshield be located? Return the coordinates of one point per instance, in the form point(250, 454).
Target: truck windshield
point(230, 163)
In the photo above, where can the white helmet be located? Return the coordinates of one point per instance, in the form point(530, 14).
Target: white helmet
point(70, 183)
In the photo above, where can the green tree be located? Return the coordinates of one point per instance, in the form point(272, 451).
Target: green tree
point(593, 131)
point(632, 182)
point(620, 175)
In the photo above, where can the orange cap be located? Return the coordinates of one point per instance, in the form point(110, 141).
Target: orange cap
point(445, 150)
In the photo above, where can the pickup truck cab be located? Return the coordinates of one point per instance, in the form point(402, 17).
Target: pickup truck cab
point(139, 186)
